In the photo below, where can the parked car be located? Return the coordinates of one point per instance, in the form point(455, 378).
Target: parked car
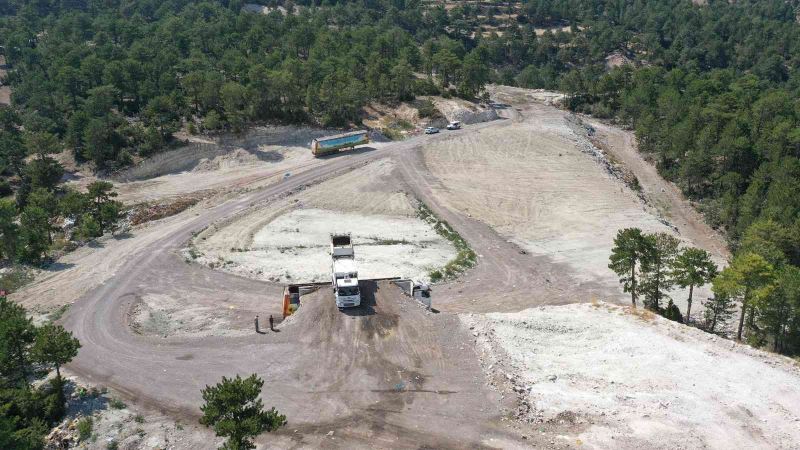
point(431, 130)
point(454, 125)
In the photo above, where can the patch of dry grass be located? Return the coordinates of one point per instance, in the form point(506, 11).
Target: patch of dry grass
point(148, 212)
point(642, 313)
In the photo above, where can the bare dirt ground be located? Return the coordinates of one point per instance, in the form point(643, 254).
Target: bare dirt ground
point(294, 247)
point(5, 91)
point(261, 9)
point(529, 194)
point(222, 164)
point(531, 182)
point(380, 375)
point(662, 194)
point(455, 109)
point(639, 380)
point(537, 182)
point(116, 423)
point(402, 120)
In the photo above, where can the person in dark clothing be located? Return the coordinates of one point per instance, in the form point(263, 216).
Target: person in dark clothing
point(271, 323)
point(256, 323)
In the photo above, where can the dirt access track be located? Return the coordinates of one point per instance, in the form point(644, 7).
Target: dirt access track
point(388, 374)
point(422, 395)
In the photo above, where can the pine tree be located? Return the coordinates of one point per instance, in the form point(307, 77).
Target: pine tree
point(717, 311)
point(656, 269)
point(693, 267)
point(233, 408)
point(34, 234)
point(631, 248)
point(55, 346)
point(17, 334)
point(778, 312)
point(748, 278)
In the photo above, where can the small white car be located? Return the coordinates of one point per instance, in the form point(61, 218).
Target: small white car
point(454, 125)
point(431, 130)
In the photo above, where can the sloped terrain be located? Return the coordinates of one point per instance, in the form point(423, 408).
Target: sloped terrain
point(636, 380)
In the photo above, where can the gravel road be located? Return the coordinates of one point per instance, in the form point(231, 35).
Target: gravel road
point(323, 379)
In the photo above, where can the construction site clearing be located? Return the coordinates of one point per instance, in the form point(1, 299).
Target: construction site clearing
point(527, 346)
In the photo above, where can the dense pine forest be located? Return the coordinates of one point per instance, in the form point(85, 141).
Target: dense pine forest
point(710, 90)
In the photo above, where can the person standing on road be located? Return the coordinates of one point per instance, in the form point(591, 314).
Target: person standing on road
point(256, 323)
point(271, 323)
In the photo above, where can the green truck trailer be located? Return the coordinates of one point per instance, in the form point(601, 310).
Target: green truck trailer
point(332, 144)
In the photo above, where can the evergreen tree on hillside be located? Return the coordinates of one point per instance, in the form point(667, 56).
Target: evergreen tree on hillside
point(233, 408)
point(17, 334)
point(693, 267)
point(748, 278)
point(631, 251)
point(717, 311)
point(657, 276)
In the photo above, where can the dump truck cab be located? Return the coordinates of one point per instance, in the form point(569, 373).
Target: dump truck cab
point(347, 293)
point(344, 275)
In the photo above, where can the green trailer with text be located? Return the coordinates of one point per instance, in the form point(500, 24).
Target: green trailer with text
point(332, 144)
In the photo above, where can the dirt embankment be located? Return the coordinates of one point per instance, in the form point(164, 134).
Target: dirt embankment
point(264, 156)
point(664, 196)
point(542, 183)
point(635, 381)
point(463, 111)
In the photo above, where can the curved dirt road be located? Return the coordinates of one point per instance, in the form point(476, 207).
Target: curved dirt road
point(387, 375)
point(381, 376)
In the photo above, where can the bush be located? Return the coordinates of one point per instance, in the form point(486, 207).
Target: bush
point(89, 227)
point(425, 87)
point(84, 427)
point(672, 312)
point(15, 278)
point(5, 188)
point(212, 121)
point(116, 403)
point(427, 109)
point(54, 404)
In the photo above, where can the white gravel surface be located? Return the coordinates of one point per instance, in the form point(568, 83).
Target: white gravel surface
point(289, 241)
point(295, 247)
point(640, 381)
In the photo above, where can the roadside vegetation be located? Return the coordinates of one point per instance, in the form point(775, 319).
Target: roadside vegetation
point(465, 258)
point(759, 280)
point(27, 354)
point(50, 219)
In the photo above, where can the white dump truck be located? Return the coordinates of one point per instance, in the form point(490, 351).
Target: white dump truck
point(344, 275)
